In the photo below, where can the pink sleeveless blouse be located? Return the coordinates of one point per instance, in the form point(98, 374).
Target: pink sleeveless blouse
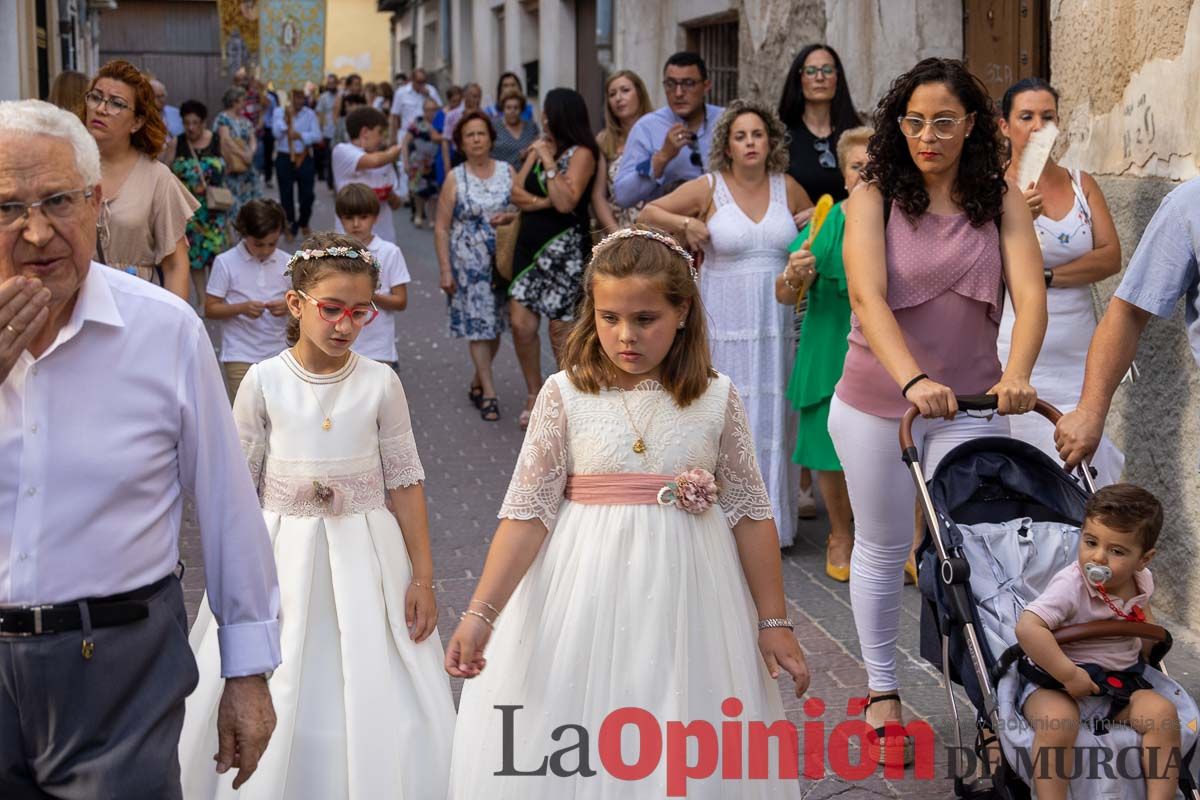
point(945, 284)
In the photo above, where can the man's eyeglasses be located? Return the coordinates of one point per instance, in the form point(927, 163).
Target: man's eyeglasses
point(826, 157)
point(943, 127)
point(61, 206)
point(694, 158)
point(333, 313)
point(826, 69)
point(115, 104)
point(687, 84)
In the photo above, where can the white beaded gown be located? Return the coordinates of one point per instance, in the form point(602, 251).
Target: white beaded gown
point(363, 712)
point(752, 337)
point(625, 605)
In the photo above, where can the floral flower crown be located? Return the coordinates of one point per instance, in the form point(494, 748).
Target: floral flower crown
point(328, 252)
point(629, 233)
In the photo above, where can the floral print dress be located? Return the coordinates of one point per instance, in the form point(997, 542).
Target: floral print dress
point(550, 254)
point(477, 312)
point(244, 185)
point(206, 230)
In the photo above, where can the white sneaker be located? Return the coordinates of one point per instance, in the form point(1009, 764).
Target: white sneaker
point(806, 505)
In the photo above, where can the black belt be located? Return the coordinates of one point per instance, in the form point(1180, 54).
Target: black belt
point(102, 612)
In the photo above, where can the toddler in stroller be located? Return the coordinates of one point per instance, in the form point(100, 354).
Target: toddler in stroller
point(1110, 580)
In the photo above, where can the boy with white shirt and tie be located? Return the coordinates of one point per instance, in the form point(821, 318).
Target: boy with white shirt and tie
point(357, 207)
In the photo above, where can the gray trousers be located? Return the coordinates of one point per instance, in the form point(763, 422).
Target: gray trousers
point(108, 727)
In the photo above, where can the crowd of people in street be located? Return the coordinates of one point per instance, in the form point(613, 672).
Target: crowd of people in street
point(752, 295)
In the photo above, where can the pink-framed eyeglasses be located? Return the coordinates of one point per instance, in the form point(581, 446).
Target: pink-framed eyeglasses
point(333, 313)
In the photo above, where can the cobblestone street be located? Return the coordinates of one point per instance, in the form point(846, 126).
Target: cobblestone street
point(468, 463)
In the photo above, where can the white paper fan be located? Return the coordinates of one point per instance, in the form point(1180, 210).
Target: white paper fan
point(1037, 153)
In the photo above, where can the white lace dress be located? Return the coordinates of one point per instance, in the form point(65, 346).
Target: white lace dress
point(752, 337)
point(363, 712)
point(641, 606)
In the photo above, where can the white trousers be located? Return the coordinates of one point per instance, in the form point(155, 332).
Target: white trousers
point(883, 498)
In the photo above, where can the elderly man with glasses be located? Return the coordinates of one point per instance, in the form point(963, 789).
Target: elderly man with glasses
point(669, 146)
point(112, 409)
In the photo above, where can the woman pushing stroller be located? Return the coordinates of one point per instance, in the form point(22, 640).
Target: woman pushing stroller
point(1109, 580)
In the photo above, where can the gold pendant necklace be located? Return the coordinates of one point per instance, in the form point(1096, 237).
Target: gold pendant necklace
point(327, 423)
point(639, 444)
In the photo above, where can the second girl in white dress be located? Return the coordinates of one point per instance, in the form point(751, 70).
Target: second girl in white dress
point(363, 704)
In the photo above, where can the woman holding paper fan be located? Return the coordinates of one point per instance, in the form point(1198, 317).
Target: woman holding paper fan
point(742, 215)
point(817, 271)
point(1080, 248)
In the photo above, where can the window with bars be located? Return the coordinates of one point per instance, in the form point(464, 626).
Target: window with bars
point(717, 44)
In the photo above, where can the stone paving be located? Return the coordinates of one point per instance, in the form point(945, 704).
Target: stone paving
point(468, 463)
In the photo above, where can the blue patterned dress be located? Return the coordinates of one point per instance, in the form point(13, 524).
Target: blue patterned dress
point(477, 312)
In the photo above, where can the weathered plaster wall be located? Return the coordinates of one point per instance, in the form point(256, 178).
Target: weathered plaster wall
point(769, 37)
point(1127, 73)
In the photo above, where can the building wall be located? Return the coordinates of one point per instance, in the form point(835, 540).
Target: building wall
point(1130, 103)
point(358, 39)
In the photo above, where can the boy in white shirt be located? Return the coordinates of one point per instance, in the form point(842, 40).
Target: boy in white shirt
point(246, 291)
point(357, 208)
point(364, 160)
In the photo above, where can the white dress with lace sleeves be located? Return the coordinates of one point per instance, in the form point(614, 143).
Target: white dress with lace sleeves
point(397, 447)
point(626, 605)
point(741, 491)
point(540, 477)
point(253, 425)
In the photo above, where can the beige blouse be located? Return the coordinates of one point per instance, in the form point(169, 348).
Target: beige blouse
point(146, 217)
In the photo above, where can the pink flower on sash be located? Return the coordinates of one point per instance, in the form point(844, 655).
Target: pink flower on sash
point(694, 491)
point(328, 496)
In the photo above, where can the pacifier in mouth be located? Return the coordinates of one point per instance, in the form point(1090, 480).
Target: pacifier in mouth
point(1097, 573)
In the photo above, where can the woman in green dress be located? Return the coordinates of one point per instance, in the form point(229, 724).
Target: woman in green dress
point(821, 352)
point(199, 165)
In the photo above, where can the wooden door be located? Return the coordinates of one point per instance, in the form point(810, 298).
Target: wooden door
point(1005, 41)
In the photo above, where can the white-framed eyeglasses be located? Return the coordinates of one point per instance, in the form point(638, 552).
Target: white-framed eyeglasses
point(943, 127)
point(61, 206)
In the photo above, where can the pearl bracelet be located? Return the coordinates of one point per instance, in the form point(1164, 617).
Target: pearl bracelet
point(775, 622)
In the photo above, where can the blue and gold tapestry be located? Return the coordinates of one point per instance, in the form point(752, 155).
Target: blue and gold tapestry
point(292, 42)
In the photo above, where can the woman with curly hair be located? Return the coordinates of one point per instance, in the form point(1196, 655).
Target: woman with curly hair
point(741, 215)
point(145, 210)
point(934, 233)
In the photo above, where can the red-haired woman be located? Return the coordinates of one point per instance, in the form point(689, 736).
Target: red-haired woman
point(145, 208)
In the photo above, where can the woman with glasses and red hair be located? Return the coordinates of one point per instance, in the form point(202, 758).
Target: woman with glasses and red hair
point(145, 209)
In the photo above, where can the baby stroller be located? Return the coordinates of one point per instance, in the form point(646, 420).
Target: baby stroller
point(1001, 519)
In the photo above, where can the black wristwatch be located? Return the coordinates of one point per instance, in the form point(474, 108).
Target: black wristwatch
point(1048, 274)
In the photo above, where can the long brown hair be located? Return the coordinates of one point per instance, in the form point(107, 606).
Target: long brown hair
point(306, 272)
point(613, 138)
point(150, 137)
point(687, 369)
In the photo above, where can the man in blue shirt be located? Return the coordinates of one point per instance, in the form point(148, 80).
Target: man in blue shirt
point(1163, 270)
point(669, 146)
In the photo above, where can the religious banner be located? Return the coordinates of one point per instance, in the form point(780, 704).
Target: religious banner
point(239, 35)
point(292, 42)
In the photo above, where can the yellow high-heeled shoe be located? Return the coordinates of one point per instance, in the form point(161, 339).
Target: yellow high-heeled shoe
point(839, 574)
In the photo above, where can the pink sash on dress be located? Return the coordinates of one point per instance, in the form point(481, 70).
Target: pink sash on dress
point(617, 488)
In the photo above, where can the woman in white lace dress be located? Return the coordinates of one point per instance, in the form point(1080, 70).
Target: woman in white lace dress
point(363, 705)
point(741, 216)
point(620, 576)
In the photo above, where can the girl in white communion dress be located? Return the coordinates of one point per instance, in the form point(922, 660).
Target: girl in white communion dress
point(363, 705)
point(636, 568)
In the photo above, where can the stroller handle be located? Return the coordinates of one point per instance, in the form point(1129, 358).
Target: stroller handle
point(1110, 628)
point(1095, 630)
point(971, 402)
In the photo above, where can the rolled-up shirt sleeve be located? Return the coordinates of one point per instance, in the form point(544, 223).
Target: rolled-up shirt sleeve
point(279, 124)
point(310, 131)
point(239, 566)
point(630, 187)
point(1163, 268)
